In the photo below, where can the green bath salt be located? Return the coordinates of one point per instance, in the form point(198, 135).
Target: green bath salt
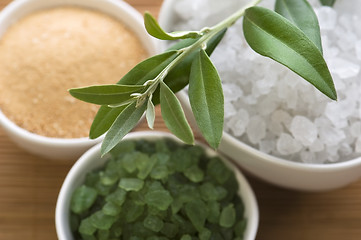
point(158, 190)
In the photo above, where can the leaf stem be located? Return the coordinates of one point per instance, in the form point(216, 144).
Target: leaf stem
point(207, 34)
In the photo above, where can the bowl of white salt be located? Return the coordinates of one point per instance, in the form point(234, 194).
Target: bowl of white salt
point(48, 47)
point(277, 126)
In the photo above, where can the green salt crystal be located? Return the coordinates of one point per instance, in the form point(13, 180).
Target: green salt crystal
point(88, 237)
point(156, 238)
point(91, 179)
point(161, 146)
point(132, 211)
point(123, 147)
point(188, 193)
point(131, 184)
point(217, 170)
point(176, 205)
point(162, 158)
point(228, 216)
point(140, 230)
point(227, 233)
point(184, 226)
point(135, 238)
point(108, 178)
point(240, 227)
point(205, 234)
point(74, 222)
point(208, 192)
point(170, 230)
point(86, 227)
point(239, 208)
point(186, 237)
point(103, 190)
point(221, 193)
point(159, 172)
point(111, 209)
point(145, 165)
point(194, 173)
point(181, 160)
point(232, 189)
point(103, 234)
point(153, 223)
point(145, 146)
point(197, 213)
point(156, 212)
point(116, 229)
point(160, 199)
point(129, 163)
point(214, 211)
point(82, 199)
point(102, 221)
point(117, 197)
point(138, 197)
point(155, 185)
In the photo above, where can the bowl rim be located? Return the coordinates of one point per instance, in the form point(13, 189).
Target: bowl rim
point(245, 191)
point(7, 12)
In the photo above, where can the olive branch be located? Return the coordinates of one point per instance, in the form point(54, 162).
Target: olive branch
point(289, 35)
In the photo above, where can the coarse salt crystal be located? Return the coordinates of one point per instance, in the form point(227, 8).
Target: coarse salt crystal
point(303, 130)
point(287, 145)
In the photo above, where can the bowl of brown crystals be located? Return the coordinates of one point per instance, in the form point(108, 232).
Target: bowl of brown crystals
point(48, 47)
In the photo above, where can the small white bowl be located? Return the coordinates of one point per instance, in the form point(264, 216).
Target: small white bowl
point(91, 160)
point(61, 148)
point(278, 171)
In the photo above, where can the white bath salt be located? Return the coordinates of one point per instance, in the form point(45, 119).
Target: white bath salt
point(256, 129)
point(358, 145)
point(238, 122)
point(308, 157)
point(355, 129)
point(327, 18)
point(287, 145)
point(317, 146)
point(278, 112)
point(303, 130)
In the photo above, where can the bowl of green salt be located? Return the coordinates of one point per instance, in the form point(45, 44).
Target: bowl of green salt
point(151, 186)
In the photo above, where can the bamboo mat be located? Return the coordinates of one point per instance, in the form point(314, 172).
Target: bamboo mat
point(29, 186)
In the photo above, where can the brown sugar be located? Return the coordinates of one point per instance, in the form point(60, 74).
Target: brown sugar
point(48, 52)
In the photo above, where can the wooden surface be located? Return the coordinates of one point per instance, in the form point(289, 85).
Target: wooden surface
point(29, 187)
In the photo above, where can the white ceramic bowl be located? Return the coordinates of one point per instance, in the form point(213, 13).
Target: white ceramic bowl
point(281, 172)
point(61, 148)
point(91, 160)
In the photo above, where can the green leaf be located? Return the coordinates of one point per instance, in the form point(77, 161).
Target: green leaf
point(142, 72)
point(103, 120)
point(153, 28)
point(123, 124)
point(271, 35)
point(206, 98)
point(328, 2)
point(150, 113)
point(178, 77)
point(148, 69)
point(105, 94)
point(301, 13)
point(173, 115)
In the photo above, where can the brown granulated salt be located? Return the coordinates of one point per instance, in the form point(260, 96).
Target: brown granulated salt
point(50, 51)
